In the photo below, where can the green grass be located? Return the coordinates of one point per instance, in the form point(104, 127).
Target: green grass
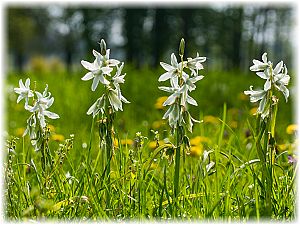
point(141, 180)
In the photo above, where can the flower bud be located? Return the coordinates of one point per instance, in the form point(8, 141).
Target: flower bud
point(102, 47)
point(181, 47)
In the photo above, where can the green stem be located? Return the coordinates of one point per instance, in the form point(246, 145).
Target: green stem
point(177, 163)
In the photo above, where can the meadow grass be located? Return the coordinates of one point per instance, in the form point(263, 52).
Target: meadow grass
point(220, 176)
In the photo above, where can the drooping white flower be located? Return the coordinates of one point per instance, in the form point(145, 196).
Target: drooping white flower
point(117, 80)
point(43, 102)
point(281, 80)
point(259, 95)
point(195, 64)
point(24, 91)
point(260, 65)
point(98, 106)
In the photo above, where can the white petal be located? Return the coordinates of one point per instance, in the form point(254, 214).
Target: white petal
point(267, 85)
point(103, 80)
point(95, 82)
point(21, 85)
point(262, 75)
point(278, 67)
point(95, 53)
point(191, 101)
point(51, 115)
point(27, 83)
point(264, 58)
point(50, 102)
point(88, 65)
point(170, 100)
point(123, 99)
point(174, 60)
point(19, 98)
point(168, 112)
point(167, 89)
point(195, 79)
point(92, 108)
point(113, 62)
point(166, 66)
point(165, 76)
point(88, 76)
point(285, 92)
point(262, 105)
point(106, 70)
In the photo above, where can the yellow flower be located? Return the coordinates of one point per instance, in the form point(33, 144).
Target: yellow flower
point(242, 96)
point(57, 137)
point(19, 131)
point(126, 142)
point(211, 119)
point(157, 124)
point(282, 147)
point(159, 102)
point(253, 111)
point(233, 124)
point(233, 111)
point(196, 150)
point(291, 129)
point(51, 127)
point(199, 139)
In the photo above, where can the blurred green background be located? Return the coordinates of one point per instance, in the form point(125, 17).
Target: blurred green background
point(47, 43)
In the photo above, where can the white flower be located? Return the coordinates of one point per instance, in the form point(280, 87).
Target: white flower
point(98, 106)
point(259, 95)
point(24, 91)
point(99, 68)
point(43, 102)
point(281, 79)
point(258, 65)
point(119, 79)
point(195, 64)
point(173, 70)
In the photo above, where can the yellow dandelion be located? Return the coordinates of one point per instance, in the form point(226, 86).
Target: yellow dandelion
point(57, 137)
point(157, 124)
point(211, 119)
point(51, 127)
point(159, 102)
point(282, 147)
point(126, 142)
point(253, 111)
point(291, 129)
point(233, 124)
point(199, 139)
point(233, 111)
point(19, 131)
point(196, 150)
point(242, 96)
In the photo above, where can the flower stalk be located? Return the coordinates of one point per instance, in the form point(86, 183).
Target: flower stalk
point(105, 108)
point(276, 80)
point(182, 76)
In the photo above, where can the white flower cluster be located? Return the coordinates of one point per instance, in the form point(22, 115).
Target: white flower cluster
point(276, 79)
point(181, 84)
point(100, 71)
point(41, 103)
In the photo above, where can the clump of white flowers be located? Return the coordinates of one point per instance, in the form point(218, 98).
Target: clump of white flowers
point(182, 76)
point(36, 123)
point(276, 79)
point(102, 71)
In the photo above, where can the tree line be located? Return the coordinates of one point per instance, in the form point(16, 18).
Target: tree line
point(229, 35)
